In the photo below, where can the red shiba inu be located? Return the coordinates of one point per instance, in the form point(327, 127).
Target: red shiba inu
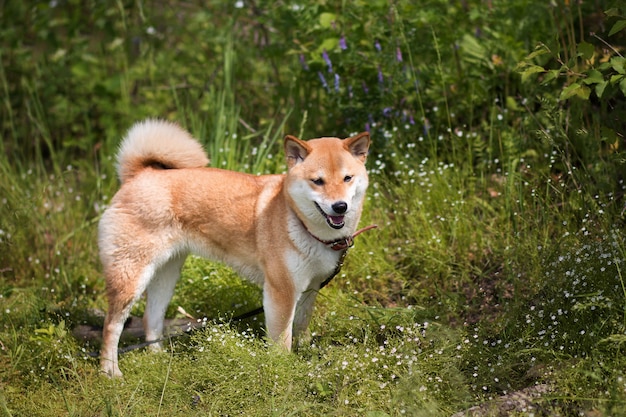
point(285, 232)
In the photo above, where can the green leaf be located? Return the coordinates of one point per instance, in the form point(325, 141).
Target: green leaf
point(612, 12)
point(600, 88)
point(622, 86)
point(474, 49)
point(530, 70)
point(617, 27)
point(327, 19)
point(328, 44)
point(80, 70)
point(577, 90)
point(586, 50)
point(569, 91)
point(608, 135)
point(511, 104)
point(618, 63)
point(594, 77)
point(539, 50)
point(583, 92)
point(550, 75)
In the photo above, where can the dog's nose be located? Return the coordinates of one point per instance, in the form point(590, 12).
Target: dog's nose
point(340, 207)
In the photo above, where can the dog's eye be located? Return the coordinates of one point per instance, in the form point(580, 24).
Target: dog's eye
point(347, 178)
point(318, 181)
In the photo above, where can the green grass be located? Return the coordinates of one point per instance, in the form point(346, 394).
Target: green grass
point(498, 264)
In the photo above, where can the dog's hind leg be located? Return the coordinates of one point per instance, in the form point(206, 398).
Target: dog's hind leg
point(158, 295)
point(122, 291)
point(113, 326)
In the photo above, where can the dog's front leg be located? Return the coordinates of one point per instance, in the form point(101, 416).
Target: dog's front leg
point(279, 304)
point(304, 310)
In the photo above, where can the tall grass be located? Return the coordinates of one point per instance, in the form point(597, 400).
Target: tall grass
point(498, 263)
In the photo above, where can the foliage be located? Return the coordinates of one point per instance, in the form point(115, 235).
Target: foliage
point(496, 181)
point(586, 75)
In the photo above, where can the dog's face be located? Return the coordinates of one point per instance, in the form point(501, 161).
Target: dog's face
point(327, 181)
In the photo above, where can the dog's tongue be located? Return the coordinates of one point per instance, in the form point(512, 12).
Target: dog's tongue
point(336, 219)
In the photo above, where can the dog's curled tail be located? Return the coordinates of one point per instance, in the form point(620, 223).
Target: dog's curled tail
point(158, 143)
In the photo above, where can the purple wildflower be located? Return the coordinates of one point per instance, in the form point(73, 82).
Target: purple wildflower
point(398, 54)
point(342, 43)
point(327, 60)
point(377, 45)
point(365, 89)
point(323, 80)
point(337, 82)
point(305, 66)
point(381, 79)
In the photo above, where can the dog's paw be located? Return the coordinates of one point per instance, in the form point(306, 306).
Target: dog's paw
point(112, 373)
point(303, 339)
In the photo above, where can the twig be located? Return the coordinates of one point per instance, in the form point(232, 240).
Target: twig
point(167, 377)
point(608, 45)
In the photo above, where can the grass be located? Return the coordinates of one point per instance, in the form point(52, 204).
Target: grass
point(498, 264)
point(473, 295)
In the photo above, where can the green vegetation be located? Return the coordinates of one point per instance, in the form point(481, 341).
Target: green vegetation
point(497, 182)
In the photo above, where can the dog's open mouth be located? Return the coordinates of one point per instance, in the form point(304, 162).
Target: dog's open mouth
point(336, 222)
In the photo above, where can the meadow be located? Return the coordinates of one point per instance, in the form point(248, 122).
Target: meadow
point(494, 283)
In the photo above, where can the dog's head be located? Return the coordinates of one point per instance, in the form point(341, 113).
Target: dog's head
point(326, 182)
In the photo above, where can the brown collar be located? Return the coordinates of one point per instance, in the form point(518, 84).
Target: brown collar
point(344, 242)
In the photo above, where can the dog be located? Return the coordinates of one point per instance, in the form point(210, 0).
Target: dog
point(285, 232)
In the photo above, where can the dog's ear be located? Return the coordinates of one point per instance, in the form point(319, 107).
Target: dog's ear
point(359, 145)
point(295, 150)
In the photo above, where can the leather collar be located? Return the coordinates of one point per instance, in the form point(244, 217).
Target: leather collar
point(344, 242)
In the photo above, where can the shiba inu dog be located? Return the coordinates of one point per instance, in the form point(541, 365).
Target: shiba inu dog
point(285, 232)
